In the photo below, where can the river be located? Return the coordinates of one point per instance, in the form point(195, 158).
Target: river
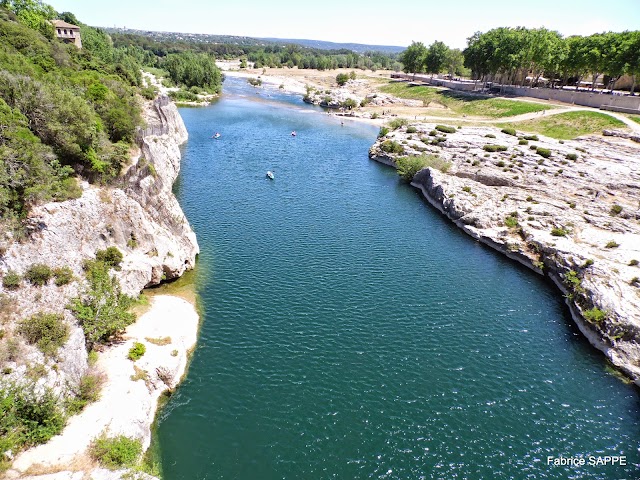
point(350, 331)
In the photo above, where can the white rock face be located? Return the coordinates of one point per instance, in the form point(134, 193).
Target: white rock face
point(577, 197)
point(142, 218)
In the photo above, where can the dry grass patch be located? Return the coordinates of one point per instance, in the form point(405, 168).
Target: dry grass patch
point(159, 341)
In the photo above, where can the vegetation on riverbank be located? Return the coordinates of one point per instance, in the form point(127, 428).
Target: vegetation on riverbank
point(461, 103)
point(568, 125)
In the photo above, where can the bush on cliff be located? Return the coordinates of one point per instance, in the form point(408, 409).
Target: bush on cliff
point(101, 309)
point(407, 167)
point(116, 452)
point(46, 330)
point(27, 418)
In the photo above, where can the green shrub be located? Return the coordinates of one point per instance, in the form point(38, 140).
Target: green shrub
point(466, 189)
point(111, 257)
point(38, 274)
point(445, 129)
point(87, 391)
point(27, 418)
point(571, 156)
point(500, 163)
point(523, 142)
point(559, 232)
point(256, 82)
point(612, 244)
point(411, 129)
point(594, 315)
point(349, 104)
point(342, 78)
point(633, 263)
point(390, 146)
point(383, 131)
point(62, 276)
point(490, 135)
point(511, 221)
point(494, 148)
point(183, 96)
point(587, 263)
point(136, 351)
point(407, 167)
point(101, 310)
point(398, 122)
point(509, 131)
point(116, 452)
point(11, 280)
point(531, 137)
point(47, 330)
point(615, 209)
point(543, 152)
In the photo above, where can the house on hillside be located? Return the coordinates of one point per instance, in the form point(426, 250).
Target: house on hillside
point(67, 32)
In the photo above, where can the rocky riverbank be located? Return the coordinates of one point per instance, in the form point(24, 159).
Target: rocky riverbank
point(142, 218)
point(568, 210)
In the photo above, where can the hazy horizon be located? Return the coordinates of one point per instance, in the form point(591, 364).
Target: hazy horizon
point(356, 21)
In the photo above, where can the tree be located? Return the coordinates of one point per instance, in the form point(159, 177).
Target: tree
point(455, 62)
point(413, 58)
point(342, 78)
point(436, 57)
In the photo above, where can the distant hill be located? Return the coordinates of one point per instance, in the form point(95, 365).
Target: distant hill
point(322, 45)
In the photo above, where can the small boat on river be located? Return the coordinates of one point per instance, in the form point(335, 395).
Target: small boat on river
point(270, 175)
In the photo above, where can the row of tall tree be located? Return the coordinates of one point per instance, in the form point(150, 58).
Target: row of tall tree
point(436, 58)
point(523, 55)
point(518, 53)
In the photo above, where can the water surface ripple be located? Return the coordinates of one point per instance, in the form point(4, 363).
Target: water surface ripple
point(351, 332)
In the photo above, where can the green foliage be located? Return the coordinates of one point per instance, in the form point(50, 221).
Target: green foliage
point(445, 129)
point(194, 69)
point(111, 257)
point(383, 132)
point(543, 152)
point(183, 96)
point(116, 452)
point(411, 129)
point(101, 310)
point(407, 167)
point(349, 104)
point(612, 244)
point(523, 142)
point(494, 148)
point(27, 418)
point(256, 82)
point(571, 156)
point(391, 146)
point(38, 274)
point(511, 221)
point(397, 123)
point(559, 232)
point(533, 138)
point(633, 263)
point(615, 209)
point(87, 391)
point(594, 315)
point(11, 280)
point(62, 276)
point(342, 78)
point(490, 135)
point(136, 351)
point(46, 330)
point(509, 131)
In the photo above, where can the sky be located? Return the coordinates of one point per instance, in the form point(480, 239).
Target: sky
point(359, 21)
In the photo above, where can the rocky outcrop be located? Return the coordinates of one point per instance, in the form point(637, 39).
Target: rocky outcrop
point(568, 210)
point(352, 90)
point(139, 215)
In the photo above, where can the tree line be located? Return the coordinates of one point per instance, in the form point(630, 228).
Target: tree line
point(274, 56)
point(520, 55)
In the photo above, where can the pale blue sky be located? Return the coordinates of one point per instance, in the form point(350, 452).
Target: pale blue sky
point(360, 21)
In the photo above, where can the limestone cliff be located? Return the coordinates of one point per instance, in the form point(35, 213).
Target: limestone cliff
point(566, 209)
point(140, 216)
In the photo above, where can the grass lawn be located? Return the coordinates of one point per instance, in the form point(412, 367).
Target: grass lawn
point(566, 126)
point(635, 118)
point(463, 103)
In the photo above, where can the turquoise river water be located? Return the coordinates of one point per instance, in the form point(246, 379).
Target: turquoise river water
point(349, 331)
